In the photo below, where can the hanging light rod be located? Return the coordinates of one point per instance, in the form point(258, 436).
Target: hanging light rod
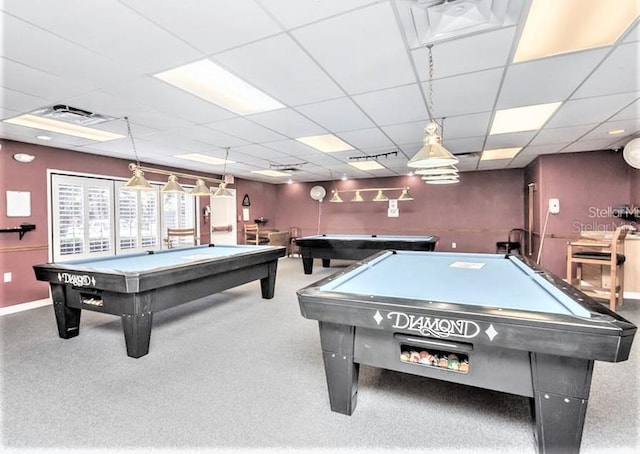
point(374, 156)
point(404, 195)
point(133, 167)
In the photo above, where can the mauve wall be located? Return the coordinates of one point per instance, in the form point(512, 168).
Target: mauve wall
point(18, 256)
point(587, 185)
point(474, 214)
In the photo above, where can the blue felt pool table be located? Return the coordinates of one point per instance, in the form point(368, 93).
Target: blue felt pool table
point(134, 286)
point(357, 247)
point(492, 321)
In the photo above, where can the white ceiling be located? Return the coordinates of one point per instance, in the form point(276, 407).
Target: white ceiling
point(354, 68)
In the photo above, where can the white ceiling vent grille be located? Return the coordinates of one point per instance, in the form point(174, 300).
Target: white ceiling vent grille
point(72, 115)
point(436, 20)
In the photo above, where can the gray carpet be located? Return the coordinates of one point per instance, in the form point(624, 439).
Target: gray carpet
point(234, 371)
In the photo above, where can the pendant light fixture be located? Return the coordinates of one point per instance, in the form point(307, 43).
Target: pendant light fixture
point(432, 154)
point(137, 181)
point(222, 188)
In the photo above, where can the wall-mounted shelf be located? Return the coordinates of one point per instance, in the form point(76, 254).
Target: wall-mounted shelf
point(24, 228)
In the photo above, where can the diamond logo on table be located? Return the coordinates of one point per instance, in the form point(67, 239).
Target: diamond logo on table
point(491, 332)
point(431, 326)
point(79, 280)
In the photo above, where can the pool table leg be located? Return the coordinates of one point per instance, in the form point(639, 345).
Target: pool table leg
point(67, 318)
point(340, 370)
point(137, 333)
point(268, 284)
point(307, 264)
point(561, 391)
point(326, 263)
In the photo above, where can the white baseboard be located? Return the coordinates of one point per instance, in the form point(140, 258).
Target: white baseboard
point(632, 295)
point(24, 306)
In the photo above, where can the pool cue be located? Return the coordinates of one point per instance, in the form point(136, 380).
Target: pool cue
point(544, 232)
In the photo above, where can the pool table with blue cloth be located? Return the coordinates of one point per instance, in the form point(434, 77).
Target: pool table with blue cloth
point(357, 247)
point(134, 286)
point(492, 321)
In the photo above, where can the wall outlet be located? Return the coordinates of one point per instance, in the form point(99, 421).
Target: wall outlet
point(454, 245)
point(7, 277)
point(554, 206)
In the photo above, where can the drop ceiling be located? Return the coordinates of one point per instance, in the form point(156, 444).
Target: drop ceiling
point(358, 69)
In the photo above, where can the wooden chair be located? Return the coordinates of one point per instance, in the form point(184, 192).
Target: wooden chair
point(294, 234)
point(513, 243)
point(607, 256)
point(177, 237)
point(252, 235)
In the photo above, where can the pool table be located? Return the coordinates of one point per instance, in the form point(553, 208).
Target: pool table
point(134, 286)
point(486, 320)
point(357, 247)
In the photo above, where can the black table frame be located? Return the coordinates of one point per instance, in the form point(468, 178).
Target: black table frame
point(135, 296)
point(546, 357)
point(327, 247)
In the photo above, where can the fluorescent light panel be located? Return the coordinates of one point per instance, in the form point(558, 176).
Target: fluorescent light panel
point(556, 27)
point(271, 173)
point(327, 143)
point(209, 81)
point(499, 153)
point(367, 165)
point(46, 124)
point(203, 158)
point(526, 118)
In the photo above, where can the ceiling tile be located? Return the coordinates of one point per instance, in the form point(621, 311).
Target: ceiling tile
point(288, 123)
point(618, 73)
point(395, 105)
point(336, 115)
point(369, 36)
point(246, 129)
point(481, 51)
point(216, 25)
point(465, 94)
point(294, 79)
point(169, 100)
point(294, 14)
point(589, 110)
point(510, 140)
point(540, 82)
point(561, 135)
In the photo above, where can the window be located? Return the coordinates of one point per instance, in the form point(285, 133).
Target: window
point(94, 217)
point(137, 219)
point(178, 210)
point(82, 221)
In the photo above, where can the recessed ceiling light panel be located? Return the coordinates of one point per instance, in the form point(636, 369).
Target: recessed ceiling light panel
point(327, 143)
point(209, 81)
point(558, 27)
point(367, 165)
point(519, 119)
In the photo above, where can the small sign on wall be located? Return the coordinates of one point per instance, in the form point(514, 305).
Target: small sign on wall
point(18, 204)
point(393, 211)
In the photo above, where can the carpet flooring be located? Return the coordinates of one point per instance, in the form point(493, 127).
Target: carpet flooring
point(233, 372)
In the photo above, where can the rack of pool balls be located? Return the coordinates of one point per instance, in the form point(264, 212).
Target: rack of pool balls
point(439, 359)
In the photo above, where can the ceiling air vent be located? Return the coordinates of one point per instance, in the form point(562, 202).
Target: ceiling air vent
point(72, 115)
point(438, 20)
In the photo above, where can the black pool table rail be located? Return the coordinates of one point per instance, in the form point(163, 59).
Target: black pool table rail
point(136, 296)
